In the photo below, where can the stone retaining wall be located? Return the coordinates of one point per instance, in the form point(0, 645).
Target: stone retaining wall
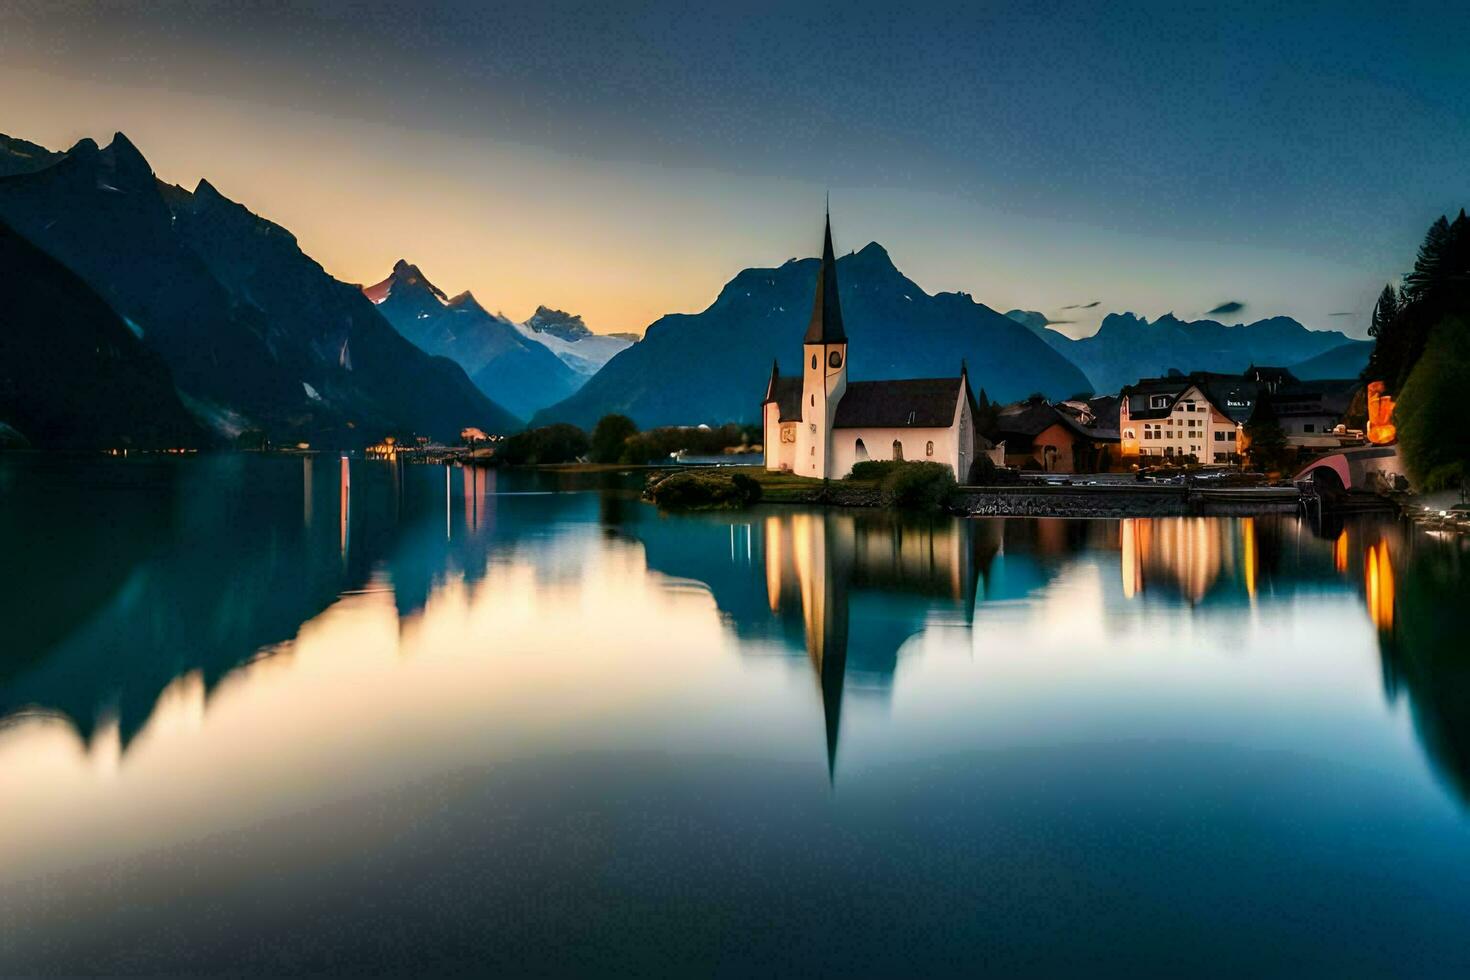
point(1112, 501)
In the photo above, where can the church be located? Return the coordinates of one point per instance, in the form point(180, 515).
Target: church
point(820, 424)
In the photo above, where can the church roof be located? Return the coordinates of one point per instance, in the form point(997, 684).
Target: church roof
point(917, 403)
point(826, 322)
point(786, 393)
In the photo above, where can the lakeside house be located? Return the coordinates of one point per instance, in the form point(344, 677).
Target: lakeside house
point(1065, 437)
point(1203, 414)
point(820, 424)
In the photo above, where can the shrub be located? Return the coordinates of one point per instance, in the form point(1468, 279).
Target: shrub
point(704, 489)
point(876, 470)
point(919, 486)
point(909, 486)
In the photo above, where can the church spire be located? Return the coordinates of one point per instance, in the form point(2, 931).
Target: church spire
point(826, 323)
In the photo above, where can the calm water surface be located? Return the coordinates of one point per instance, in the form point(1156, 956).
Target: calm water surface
point(281, 715)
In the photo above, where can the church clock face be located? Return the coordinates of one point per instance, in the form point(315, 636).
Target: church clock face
point(834, 359)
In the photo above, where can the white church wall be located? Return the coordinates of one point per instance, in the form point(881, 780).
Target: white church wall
point(879, 444)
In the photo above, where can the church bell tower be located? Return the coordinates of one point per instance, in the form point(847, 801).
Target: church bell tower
point(823, 371)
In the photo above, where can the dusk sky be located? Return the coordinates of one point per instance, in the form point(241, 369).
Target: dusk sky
point(624, 161)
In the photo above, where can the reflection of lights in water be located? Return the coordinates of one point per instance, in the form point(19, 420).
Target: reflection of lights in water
point(306, 491)
point(773, 562)
point(447, 508)
point(1378, 572)
point(1248, 554)
point(1131, 532)
point(1340, 552)
point(1189, 551)
point(346, 505)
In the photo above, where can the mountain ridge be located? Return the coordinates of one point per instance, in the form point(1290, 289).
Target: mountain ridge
point(712, 366)
point(199, 277)
point(1127, 347)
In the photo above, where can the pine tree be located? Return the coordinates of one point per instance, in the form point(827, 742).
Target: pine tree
point(1385, 310)
point(1421, 283)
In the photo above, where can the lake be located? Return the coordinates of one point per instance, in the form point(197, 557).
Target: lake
point(285, 715)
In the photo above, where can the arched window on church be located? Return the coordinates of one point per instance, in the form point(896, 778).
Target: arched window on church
point(929, 448)
point(898, 450)
point(860, 450)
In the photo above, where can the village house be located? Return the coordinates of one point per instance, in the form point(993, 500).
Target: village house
point(1055, 438)
point(820, 424)
point(1200, 415)
point(1203, 414)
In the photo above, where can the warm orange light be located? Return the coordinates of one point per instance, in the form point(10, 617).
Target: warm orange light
point(1340, 552)
point(1248, 554)
point(1381, 430)
point(1378, 572)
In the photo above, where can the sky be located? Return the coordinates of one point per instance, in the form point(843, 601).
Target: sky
point(625, 160)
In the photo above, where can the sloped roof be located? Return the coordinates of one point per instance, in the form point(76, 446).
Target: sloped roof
point(1018, 424)
point(786, 393)
point(913, 403)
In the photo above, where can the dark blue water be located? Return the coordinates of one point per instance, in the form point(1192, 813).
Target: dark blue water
point(275, 715)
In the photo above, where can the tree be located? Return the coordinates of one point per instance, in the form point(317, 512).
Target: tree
point(1266, 442)
point(610, 436)
point(987, 420)
point(560, 443)
point(1438, 286)
point(1433, 442)
point(1385, 310)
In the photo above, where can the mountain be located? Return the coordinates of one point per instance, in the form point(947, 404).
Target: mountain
point(20, 157)
point(72, 374)
point(1128, 347)
point(566, 336)
point(713, 366)
point(256, 333)
point(520, 373)
point(558, 323)
point(1344, 361)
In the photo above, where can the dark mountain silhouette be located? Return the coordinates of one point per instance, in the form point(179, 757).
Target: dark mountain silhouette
point(72, 374)
point(1344, 361)
point(1128, 347)
point(520, 373)
point(20, 157)
point(713, 366)
point(256, 333)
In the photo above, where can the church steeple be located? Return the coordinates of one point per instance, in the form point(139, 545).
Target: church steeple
point(826, 323)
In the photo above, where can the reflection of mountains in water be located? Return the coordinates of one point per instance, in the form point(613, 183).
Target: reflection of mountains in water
point(130, 575)
point(127, 577)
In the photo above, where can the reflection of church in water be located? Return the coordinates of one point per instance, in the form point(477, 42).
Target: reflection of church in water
point(862, 584)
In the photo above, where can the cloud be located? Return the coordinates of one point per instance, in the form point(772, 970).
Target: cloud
point(1344, 313)
point(1080, 306)
point(1050, 321)
point(1229, 306)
